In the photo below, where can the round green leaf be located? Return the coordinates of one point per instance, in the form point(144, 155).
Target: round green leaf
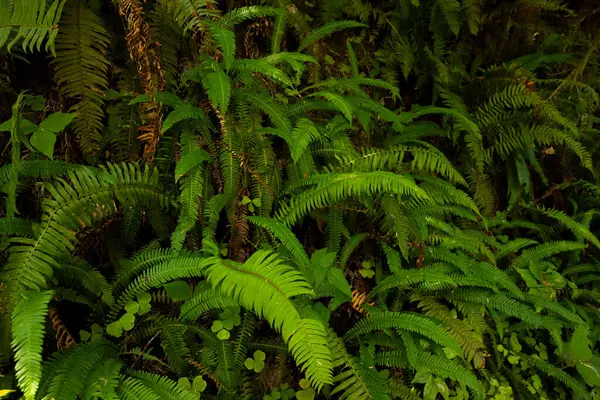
point(185, 383)
point(304, 383)
point(275, 395)
point(228, 324)
point(199, 384)
point(84, 335)
point(223, 335)
point(144, 308)
point(258, 365)
point(127, 321)
point(249, 363)
point(96, 329)
point(216, 326)
point(178, 290)
point(144, 298)
point(114, 329)
point(259, 355)
point(132, 307)
point(308, 394)
point(236, 320)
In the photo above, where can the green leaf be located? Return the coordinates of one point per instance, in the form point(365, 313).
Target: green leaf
point(228, 324)
point(216, 326)
point(178, 290)
point(6, 126)
point(144, 298)
point(185, 383)
point(56, 122)
point(308, 394)
point(132, 307)
point(27, 126)
point(96, 329)
point(223, 335)
point(258, 366)
point(249, 363)
point(245, 200)
point(114, 329)
point(144, 308)
point(84, 335)
point(338, 280)
point(43, 141)
point(199, 384)
point(36, 102)
point(590, 371)
point(580, 344)
point(127, 321)
point(304, 383)
point(259, 355)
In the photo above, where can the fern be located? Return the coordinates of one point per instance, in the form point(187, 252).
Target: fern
point(81, 70)
point(327, 30)
point(70, 210)
point(28, 333)
point(285, 235)
point(32, 23)
point(406, 321)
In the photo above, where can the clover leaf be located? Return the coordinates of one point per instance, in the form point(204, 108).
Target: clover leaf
point(257, 363)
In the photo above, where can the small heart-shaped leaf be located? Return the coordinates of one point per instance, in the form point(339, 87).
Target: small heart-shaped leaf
point(127, 321)
point(304, 383)
point(259, 355)
point(223, 335)
point(114, 329)
point(185, 383)
point(258, 365)
point(216, 326)
point(199, 384)
point(308, 394)
point(84, 335)
point(249, 363)
point(132, 307)
point(144, 298)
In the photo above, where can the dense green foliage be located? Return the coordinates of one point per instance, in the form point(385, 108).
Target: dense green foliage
point(338, 199)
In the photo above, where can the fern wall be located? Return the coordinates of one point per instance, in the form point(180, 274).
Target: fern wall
point(330, 200)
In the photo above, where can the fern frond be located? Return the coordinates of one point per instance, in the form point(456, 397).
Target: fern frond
point(16, 226)
point(162, 387)
point(83, 202)
point(241, 14)
point(66, 372)
point(544, 250)
point(81, 70)
point(284, 235)
point(226, 40)
point(333, 187)
point(558, 374)
point(326, 30)
point(204, 301)
point(264, 67)
point(31, 22)
point(351, 383)
point(407, 321)
point(28, 326)
point(218, 87)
